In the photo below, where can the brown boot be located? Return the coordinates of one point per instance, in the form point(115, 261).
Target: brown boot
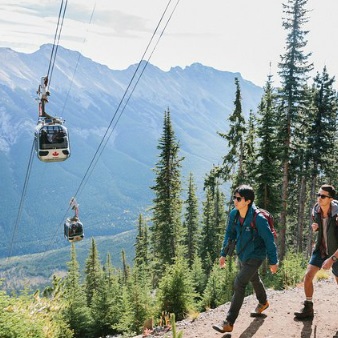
point(306, 311)
point(224, 327)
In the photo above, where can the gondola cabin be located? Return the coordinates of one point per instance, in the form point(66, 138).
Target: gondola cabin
point(73, 229)
point(51, 141)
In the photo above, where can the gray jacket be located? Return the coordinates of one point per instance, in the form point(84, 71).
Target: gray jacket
point(332, 229)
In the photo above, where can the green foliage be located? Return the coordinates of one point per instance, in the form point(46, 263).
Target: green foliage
point(15, 320)
point(213, 227)
point(290, 272)
point(125, 323)
point(219, 288)
point(76, 312)
point(32, 316)
point(176, 290)
point(293, 105)
point(199, 278)
point(141, 300)
point(173, 327)
point(93, 272)
point(267, 174)
point(191, 223)
point(167, 231)
point(292, 269)
point(233, 160)
point(106, 309)
point(142, 243)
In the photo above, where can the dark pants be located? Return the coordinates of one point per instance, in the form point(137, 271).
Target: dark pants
point(248, 273)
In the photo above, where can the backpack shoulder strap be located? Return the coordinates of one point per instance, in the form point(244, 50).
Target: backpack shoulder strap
point(253, 222)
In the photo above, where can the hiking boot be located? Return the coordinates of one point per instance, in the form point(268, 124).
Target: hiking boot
point(259, 309)
point(224, 327)
point(306, 311)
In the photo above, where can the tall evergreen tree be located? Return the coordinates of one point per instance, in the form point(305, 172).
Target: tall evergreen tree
point(76, 313)
point(176, 290)
point(322, 143)
point(142, 244)
point(322, 136)
point(267, 169)
point(199, 278)
point(191, 222)
point(93, 272)
point(233, 160)
point(293, 70)
point(167, 205)
point(125, 268)
point(140, 299)
point(105, 305)
point(245, 175)
point(213, 227)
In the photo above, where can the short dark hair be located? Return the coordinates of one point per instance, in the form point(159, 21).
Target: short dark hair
point(246, 191)
point(330, 189)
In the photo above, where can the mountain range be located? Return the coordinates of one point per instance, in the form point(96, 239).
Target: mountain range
point(115, 120)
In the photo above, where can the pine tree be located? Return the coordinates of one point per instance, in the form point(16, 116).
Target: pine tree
point(293, 70)
point(76, 313)
point(140, 299)
point(199, 278)
point(213, 227)
point(125, 268)
point(176, 290)
point(322, 136)
point(233, 160)
point(245, 174)
point(142, 244)
point(219, 289)
point(167, 205)
point(105, 305)
point(267, 169)
point(93, 272)
point(322, 143)
point(191, 222)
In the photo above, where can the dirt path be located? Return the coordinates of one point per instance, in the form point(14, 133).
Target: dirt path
point(278, 321)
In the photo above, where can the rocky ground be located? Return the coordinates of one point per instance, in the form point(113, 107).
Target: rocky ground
point(278, 320)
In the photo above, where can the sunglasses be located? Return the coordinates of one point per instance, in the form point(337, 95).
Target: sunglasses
point(322, 196)
point(238, 198)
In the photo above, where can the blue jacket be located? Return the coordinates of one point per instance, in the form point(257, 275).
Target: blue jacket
point(251, 243)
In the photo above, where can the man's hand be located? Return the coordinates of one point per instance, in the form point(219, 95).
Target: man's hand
point(327, 264)
point(273, 268)
point(315, 227)
point(222, 261)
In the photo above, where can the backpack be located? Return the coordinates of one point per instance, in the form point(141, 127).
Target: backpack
point(269, 218)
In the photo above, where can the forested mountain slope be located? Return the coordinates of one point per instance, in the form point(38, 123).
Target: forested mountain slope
point(86, 95)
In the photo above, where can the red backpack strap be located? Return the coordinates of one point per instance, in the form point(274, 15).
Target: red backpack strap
point(253, 222)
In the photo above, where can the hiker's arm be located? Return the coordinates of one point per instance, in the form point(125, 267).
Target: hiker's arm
point(230, 233)
point(329, 261)
point(267, 236)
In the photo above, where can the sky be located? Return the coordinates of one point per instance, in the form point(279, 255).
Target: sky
point(244, 36)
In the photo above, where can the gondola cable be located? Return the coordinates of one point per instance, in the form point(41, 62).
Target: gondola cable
point(76, 65)
point(105, 138)
point(56, 42)
point(23, 195)
point(29, 166)
point(110, 130)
